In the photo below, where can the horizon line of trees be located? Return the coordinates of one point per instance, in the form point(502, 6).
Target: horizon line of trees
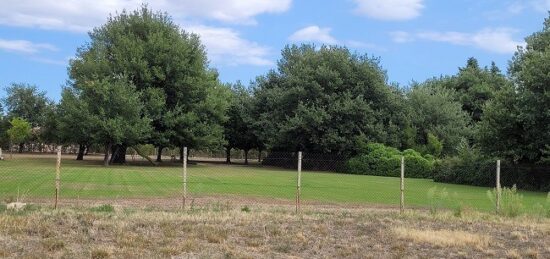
point(141, 79)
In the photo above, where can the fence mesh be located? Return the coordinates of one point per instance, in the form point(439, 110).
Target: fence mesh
point(262, 179)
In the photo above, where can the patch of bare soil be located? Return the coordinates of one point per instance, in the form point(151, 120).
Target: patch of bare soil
point(221, 230)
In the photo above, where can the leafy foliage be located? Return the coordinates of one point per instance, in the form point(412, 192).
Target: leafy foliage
point(27, 102)
point(378, 159)
point(111, 110)
point(20, 130)
point(321, 99)
point(438, 119)
point(517, 123)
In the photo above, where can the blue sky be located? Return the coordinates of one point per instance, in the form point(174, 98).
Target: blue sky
point(415, 39)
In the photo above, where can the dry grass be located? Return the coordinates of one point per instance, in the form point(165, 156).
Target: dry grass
point(443, 238)
point(266, 231)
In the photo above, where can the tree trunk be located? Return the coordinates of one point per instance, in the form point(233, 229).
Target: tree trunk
point(21, 147)
point(228, 155)
point(159, 154)
point(259, 155)
point(106, 157)
point(80, 155)
point(119, 154)
point(181, 154)
point(246, 157)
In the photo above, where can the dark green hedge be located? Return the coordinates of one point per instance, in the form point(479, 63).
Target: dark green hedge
point(482, 172)
point(377, 159)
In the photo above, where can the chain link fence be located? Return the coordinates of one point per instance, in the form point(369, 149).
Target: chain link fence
point(277, 178)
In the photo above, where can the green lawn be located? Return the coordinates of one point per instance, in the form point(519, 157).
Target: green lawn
point(88, 179)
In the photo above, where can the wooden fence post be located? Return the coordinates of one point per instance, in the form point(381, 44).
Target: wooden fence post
point(402, 204)
point(299, 182)
point(57, 176)
point(498, 194)
point(184, 198)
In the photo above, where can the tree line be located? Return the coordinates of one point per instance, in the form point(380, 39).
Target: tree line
point(141, 79)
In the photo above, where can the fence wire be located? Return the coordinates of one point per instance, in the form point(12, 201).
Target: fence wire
point(262, 179)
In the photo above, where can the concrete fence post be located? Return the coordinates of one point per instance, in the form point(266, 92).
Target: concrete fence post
point(57, 176)
point(402, 203)
point(498, 189)
point(299, 182)
point(184, 197)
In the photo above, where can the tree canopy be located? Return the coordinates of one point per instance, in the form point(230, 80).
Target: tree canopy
point(168, 70)
point(517, 123)
point(322, 99)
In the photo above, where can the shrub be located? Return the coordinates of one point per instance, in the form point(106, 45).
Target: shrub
point(511, 202)
point(378, 159)
point(471, 167)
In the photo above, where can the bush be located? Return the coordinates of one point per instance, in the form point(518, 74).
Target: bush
point(471, 167)
point(377, 159)
point(511, 202)
point(480, 172)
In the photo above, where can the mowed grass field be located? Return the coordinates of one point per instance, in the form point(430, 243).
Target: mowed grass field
point(33, 177)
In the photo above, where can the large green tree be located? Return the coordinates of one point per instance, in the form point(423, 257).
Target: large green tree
point(112, 109)
point(167, 65)
point(434, 111)
point(239, 128)
point(75, 121)
point(27, 102)
point(517, 123)
point(321, 99)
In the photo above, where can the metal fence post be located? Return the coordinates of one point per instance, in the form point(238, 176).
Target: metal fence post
point(402, 204)
point(299, 182)
point(184, 177)
point(57, 176)
point(498, 194)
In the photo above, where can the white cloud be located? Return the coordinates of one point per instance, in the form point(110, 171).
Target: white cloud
point(313, 34)
point(401, 36)
point(24, 46)
point(225, 46)
point(499, 40)
point(390, 9)
point(82, 15)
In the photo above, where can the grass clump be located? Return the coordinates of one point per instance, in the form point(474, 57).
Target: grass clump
point(103, 208)
point(437, 199)
point(443, 238)
point(511, 202)
point(53, 245)
point(542, 210)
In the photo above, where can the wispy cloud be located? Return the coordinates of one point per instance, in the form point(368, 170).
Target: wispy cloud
point(498, 40)
point(390, 9)
point(25, 46)
point(401, 36)
point(316, 34)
